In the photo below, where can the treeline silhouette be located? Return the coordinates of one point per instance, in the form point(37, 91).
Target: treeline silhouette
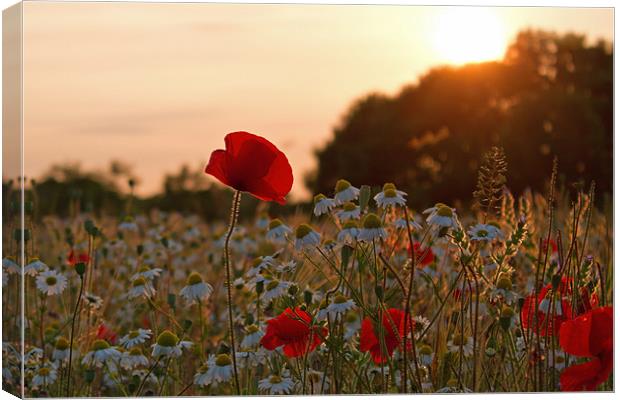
point(551, 95)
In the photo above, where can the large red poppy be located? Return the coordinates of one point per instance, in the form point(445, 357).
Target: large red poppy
point(369, 337)
point(292, 329)
point(252, 164)
point(588, 335)
point(533, 309)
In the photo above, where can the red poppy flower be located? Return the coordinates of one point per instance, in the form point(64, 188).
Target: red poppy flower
point(424, 255)
point(292, 330)
point(73, 259)
point(588, 335)
point(252, 164)
point(560, 309)
point(369, 337)
point(107, 334)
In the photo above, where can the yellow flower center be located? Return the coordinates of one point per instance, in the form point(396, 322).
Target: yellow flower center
point(389, 193)
point(341, 185)
point(100, 345)
point(275, 379)
point(444, 211)
point(167, 339)
point(273, 284)
point(194, 278)
point(302, 230)
point(348, 206)
point(275, 223)
point(223, 360)
point(139, 281)
point(44, 371)
point(319, 197)
point(62, 343)
point(135, 351)
point(371, 221)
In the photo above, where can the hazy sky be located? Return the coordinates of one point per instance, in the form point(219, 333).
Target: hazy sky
point(157, 85)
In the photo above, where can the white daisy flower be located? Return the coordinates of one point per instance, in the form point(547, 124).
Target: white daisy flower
point(196, 290)
point(305, 236)
point(101, 352)
point(401, 223)
point(352, 325)
point(34, 267)
point(372, 228)
point(349, 211)
point(484, 232)
point(262, 263)
point(253, 335)
point(169, 345)
point(275, 289)
point(9, 265)
point(218, 370)
point(503, 290)
point(5, 278)
point(147, 273)
point(344, 192)
point(252, 358)
point(287, 267)
point(135, 338)
point(349, 232)
point(389, 196)
point(441, 216)
point(340, 305)
point(61, 350)
point(44, 376)
point(134, 358)
point(92, 301)
point(277, 230)
point(276, 384)
point(323, 205)
point(51, 282)
point(128, 225)
point(425, 355)
point(140, 287)
point(454, 345)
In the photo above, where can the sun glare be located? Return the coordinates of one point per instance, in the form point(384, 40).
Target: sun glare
point(469, 34)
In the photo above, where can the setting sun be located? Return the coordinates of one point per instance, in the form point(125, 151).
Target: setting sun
point(469, 34)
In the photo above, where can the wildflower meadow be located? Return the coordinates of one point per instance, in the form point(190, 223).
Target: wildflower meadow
point(355, 294)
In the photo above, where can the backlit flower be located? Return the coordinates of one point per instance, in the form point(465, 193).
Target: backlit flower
point(393, 326)
point(196, 289)
point(305, 236)
point(389, 196)
point(51, 282)
point(294, 331)
point(589, 335)
point(252, 164)
point(344, 192)
point(323, 205)
point(372, 228)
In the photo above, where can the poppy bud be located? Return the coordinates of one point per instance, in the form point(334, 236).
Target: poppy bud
point(80, 268)
point(140, 249)
point(307, 297)
point(89, 375)
point(293, 289)
point(187, 324)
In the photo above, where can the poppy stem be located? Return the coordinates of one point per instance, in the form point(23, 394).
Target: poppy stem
point(234, 215)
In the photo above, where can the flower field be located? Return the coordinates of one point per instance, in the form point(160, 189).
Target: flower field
point(359, 295)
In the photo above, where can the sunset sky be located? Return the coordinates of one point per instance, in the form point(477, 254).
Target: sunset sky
point(158, 85)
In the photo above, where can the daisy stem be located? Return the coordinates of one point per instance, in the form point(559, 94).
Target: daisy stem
point(75, 312)
point(234, 215)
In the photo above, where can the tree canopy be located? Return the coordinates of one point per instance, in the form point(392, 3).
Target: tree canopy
point(551, 95)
